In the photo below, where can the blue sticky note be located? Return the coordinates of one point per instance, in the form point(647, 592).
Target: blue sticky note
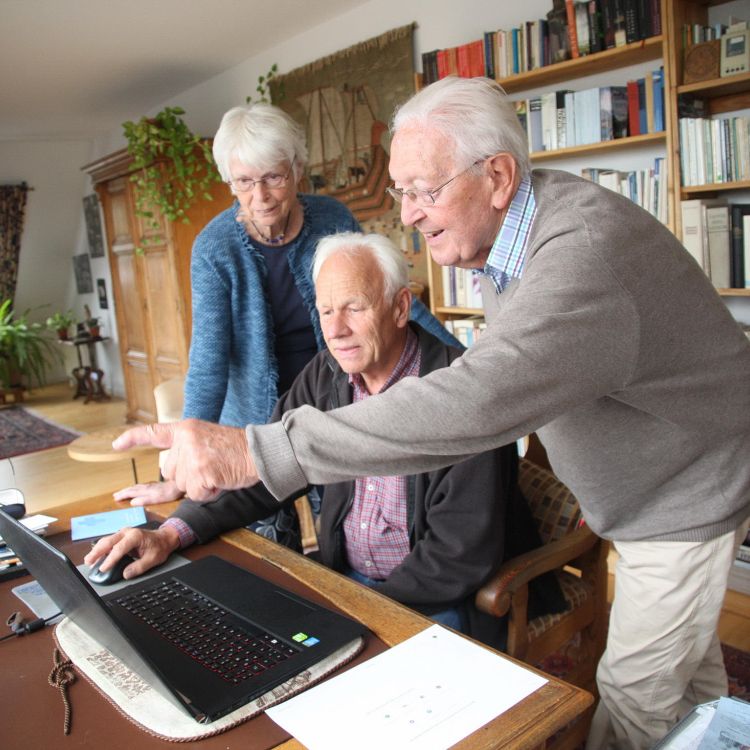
point(101, 524)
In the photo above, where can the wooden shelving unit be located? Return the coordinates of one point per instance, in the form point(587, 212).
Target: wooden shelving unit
point(723, 94)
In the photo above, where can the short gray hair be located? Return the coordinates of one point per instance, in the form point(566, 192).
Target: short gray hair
point(474, 112)
point(259, 135)
point(388, 257)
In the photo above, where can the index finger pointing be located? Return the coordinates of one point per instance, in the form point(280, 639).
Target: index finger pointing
point(156, 435)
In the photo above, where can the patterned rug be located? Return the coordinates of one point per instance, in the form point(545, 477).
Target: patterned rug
point(22, 431)
point(737, 664)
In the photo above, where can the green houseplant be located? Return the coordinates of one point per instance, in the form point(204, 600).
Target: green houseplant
point(61, 322)
point(173, 165)
point(25, 348)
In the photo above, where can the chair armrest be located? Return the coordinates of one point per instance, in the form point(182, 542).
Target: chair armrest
point(495, 596)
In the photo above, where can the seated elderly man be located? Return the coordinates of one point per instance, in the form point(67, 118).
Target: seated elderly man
point(428, 540)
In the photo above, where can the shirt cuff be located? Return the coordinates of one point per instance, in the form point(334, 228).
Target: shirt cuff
point(184, 532)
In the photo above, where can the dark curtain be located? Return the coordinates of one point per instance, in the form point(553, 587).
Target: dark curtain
point(12, 209)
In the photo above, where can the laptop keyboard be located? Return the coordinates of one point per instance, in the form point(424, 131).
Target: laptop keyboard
point(201, 628)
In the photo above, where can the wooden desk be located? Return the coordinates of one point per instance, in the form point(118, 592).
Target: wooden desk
point(97, 447)
point(524, 726)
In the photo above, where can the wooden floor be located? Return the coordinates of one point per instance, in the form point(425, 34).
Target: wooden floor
point(51, 477)
point(48, 478)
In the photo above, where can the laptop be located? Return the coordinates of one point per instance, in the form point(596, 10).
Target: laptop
point(209, 636)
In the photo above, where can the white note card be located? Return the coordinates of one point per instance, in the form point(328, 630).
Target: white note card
point(426, 693)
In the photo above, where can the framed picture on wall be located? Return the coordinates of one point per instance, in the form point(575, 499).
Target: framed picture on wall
point(82, 269)
point(93, 225)
point(101, 289)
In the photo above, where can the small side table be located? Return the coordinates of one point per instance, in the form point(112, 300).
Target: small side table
point(88, 377)
point(97, 447)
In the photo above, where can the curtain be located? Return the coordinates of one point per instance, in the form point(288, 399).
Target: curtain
point(12, 209)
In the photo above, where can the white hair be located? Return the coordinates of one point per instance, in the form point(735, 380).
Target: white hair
point(261, 136)
point(474, 112)
point(353, 244)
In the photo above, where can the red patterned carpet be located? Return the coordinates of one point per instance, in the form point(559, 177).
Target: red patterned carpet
point(737, 663)
point(22, 431)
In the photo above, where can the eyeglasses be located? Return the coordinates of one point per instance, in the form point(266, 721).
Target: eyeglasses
point(272, 181)
point(425, 198)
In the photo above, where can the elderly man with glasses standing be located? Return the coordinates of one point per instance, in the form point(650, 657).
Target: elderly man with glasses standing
point(606, 338)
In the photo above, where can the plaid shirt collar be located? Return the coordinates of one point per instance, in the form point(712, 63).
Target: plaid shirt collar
point(408, 364)
point(508, 254)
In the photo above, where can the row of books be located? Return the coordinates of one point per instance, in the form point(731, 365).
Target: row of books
point(714, 150)
point(717, 235)
point(695, 33)
point(560, 119)
point(573, 28)
point(466, 330)
point(645, 187)
point(461, 288)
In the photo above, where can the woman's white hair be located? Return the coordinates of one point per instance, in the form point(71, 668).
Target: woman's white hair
point(389, 258)
point(260, 136)
point(475, 112)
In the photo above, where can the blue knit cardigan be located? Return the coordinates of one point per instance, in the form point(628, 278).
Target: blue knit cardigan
point(233, 373)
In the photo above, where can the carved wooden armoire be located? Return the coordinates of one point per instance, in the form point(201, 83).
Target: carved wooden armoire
point(151, 288)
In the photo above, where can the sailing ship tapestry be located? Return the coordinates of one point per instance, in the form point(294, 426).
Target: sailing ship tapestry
point(345, 102)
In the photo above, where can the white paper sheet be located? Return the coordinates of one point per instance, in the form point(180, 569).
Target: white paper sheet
point(426, 693)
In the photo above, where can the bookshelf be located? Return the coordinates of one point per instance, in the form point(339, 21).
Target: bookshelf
point(723, 94)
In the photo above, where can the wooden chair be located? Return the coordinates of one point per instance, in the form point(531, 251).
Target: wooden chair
point(579, 558)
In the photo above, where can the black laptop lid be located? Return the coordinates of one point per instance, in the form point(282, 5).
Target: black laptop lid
point(170, 671)
point(65, 585)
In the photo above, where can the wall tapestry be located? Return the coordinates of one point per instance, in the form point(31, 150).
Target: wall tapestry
point(93, 225)
point(345, 102)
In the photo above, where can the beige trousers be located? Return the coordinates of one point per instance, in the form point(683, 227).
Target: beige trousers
point(663, 654)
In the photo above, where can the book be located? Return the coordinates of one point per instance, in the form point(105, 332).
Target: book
point(570, 11)
point(718, 232)
point(596, 36)
point(658, 84)
point(549, 120)
point(632, 26)
point(634, 122)
point(582, 27)
point(738, 214)
point(694, 228)
point(534, 119)
point(613, 112)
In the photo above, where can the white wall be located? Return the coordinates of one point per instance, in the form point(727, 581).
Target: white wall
point(53, 233)
point(55, 225)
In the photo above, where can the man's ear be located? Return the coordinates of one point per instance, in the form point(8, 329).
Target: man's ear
point(504, 175)
point(402, 306)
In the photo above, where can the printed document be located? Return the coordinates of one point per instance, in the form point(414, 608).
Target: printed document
point(426, 693)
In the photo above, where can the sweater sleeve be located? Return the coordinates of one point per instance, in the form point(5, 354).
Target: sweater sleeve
point(208, 373)
point(563, 339)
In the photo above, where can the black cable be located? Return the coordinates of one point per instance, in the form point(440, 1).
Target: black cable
point(20, 627)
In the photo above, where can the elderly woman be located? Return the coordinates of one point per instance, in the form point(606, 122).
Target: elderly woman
point(255, 325)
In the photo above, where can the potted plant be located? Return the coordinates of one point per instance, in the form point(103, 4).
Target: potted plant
point(25, 349)
point(61, 322)
point(174, 166)
point(92, 323)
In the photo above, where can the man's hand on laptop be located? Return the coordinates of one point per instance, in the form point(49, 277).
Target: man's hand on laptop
point(203, 457)
point(150, 548)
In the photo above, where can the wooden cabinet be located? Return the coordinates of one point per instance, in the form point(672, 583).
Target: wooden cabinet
point(150, 270)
